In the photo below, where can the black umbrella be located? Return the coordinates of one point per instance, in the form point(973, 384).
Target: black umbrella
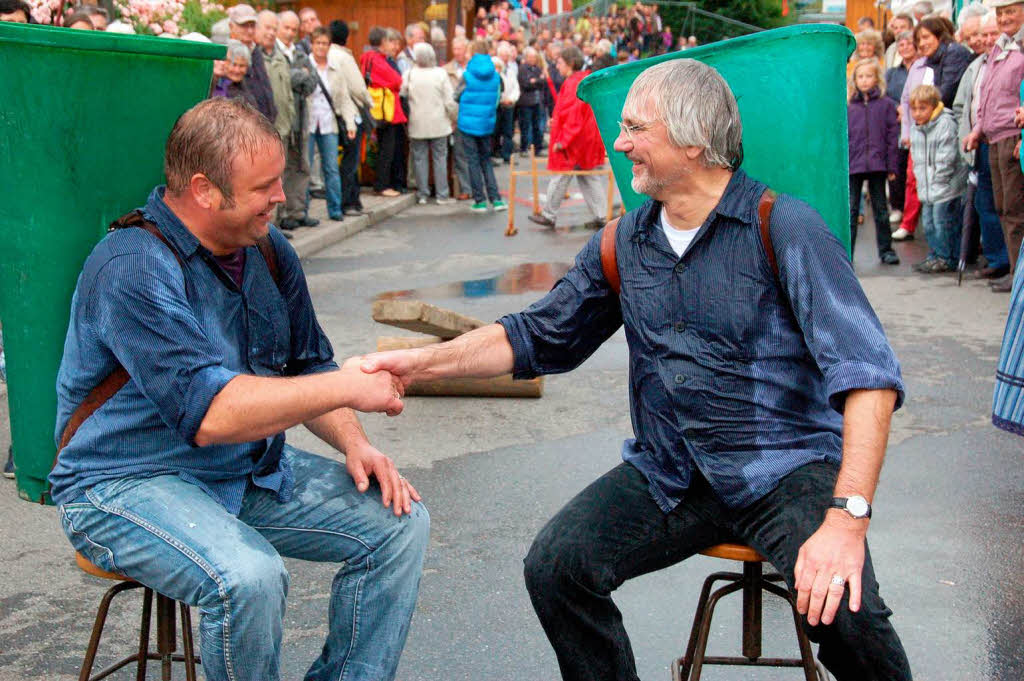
point(967, 235)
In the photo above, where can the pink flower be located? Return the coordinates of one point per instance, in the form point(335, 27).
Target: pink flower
point(170, 27)
point(156, 29)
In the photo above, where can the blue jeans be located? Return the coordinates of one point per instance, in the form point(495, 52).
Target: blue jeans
point(529, 127)
point(481, 173)
point(173, 537)
point(942, 224)
point(328, 145)
point(993, 244)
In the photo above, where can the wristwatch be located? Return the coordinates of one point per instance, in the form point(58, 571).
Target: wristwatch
point(857, 506)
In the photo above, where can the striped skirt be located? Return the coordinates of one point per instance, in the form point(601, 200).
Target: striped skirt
point(1008, 400)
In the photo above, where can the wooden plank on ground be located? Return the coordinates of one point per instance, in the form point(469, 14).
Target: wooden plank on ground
point(415, 315)
point(499, 386)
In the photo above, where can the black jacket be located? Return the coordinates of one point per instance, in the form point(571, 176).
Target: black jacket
point(257, 82)
point(531, 93)
point(949, 63)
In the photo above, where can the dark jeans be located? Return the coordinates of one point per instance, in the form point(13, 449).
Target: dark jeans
point(993, 243)
point(481, 173)
point(505, 128)
point(879, 206)
point(613, 531)
point(350, 170)
point(387, 140)
point(529, 127)
point(898, 187)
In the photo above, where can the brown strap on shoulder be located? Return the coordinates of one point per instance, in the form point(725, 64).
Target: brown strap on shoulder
point(764, 216)
point(609, 261)
point(270, 256)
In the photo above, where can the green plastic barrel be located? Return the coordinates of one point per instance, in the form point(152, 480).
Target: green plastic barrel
point(83, 121)
point(790, 84)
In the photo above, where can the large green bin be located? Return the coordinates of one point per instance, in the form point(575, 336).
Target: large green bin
point(83, 122)
point(790, 84)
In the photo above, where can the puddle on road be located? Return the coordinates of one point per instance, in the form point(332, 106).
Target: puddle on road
point(534, 276)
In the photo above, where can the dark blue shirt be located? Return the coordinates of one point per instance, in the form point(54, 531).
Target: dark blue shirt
point(730, 370)
point(181, 333)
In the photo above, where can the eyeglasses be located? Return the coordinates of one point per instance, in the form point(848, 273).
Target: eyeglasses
point(630, 130)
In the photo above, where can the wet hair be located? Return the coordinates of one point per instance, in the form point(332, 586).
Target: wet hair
point(376, 36)
point(926, 94)
point(696, 106)
point(207, 138)
point(339, 32)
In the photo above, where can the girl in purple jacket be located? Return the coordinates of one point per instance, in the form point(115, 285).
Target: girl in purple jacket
point(874, 134)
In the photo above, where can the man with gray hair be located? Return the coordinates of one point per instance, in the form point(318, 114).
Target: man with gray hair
point(760, 397)
point(193, 325)
point(414, 34)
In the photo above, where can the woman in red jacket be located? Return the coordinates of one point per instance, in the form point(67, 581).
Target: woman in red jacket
point(575, 145)
point(380, 74)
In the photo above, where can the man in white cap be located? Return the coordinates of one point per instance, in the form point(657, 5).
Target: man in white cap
point(998, 99)
point(242, 22)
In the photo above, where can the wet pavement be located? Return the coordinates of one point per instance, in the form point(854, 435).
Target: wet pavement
point(946, 537)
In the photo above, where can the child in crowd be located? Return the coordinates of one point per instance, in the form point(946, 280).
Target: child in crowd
point(874, 135)
point(941, 178)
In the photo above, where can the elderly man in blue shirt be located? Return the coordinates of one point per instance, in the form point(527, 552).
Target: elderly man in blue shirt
point(182, 479)
point(760, 401)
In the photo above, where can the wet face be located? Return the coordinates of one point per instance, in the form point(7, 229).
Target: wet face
point(256, 191)
point(657, 163)
point(865, 79)
point(288, 29)
point(320, 44)
point(236, 69)
point(266, 31)
point(927, 43)
point(921, 112)
point(1010, 18)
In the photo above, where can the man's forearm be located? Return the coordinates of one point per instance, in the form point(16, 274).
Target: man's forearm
point(865, 435)
point(339, 428)
point(480, 353)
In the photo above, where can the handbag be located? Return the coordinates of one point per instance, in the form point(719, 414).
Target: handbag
point(382, 101)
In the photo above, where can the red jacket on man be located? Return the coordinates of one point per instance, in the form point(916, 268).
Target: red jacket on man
point(574, 127)
point(383, 75)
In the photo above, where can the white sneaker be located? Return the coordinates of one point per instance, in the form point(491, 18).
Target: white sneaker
point(902, 235)
point(445, 202)
point(895, 217)
point(422, 201)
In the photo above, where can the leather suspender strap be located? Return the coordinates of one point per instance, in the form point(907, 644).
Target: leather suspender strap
point(764, 217)
point(609, 259)
point(117, 379)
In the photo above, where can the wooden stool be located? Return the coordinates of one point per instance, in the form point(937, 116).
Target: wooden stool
point(752, 582)
point(166, 639)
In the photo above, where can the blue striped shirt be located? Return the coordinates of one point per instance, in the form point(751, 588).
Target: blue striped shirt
point(730, 369)
point(181, 333)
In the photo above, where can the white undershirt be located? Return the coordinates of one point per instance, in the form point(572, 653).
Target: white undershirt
point(678, 239)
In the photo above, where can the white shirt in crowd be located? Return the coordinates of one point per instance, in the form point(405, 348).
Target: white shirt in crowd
point(321, 115)
point(678, 239)
point(289, 51)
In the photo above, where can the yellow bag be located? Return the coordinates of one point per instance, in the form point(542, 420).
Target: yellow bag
point(382, 104)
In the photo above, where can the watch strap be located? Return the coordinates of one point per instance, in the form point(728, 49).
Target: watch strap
point(840, 502)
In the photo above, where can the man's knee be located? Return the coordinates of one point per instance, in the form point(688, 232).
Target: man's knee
point(557, 561)
point(256, 579)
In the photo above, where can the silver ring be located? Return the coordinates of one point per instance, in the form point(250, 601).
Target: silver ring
point(837, 580)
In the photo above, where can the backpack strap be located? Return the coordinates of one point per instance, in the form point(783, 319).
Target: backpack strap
point(764, 218)
point(609, 260)
point(117, 379)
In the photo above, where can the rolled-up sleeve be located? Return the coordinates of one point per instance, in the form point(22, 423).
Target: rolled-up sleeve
point(561, 330)
point(142, 316)
point(839, 326)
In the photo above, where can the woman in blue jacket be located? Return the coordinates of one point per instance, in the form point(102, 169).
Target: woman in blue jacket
point(477, 93)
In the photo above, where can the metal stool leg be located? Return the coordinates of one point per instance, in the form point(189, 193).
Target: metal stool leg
point(186, 643)
point(806, 656)
point(752, 610)
point(147, 609)
point(705, 627)
point(97, 628)
point(166, 636)
point(681, 667)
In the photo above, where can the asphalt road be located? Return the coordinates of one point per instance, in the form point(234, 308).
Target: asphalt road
point(946, 537)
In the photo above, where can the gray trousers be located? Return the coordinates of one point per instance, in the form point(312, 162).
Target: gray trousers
point(295, 179)
point(461, 165)
point(592, 187)
point(438, 148)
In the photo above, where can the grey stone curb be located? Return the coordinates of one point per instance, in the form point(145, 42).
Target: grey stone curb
point(309, 241)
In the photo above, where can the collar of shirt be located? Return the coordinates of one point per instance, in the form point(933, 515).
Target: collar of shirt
point(184, 241)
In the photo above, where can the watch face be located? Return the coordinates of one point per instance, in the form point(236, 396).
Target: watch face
point(857, 506)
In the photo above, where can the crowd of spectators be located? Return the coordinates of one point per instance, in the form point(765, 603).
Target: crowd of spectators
point(934, 109)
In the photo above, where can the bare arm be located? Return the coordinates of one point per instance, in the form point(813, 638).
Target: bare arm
point(837, 547)
point(249, 408)
point(481, 353)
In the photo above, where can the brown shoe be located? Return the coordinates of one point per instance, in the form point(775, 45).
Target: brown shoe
point(463, 197)
point(991, 272)
point(542, 220)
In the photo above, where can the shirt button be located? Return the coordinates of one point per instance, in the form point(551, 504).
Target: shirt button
point(680, 379)
point(680, 327)
point(680, 268)
point(689, 433)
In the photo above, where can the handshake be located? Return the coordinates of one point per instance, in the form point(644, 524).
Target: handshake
point(377, 382)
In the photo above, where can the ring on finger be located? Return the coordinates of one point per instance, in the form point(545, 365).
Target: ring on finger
point(838, 580)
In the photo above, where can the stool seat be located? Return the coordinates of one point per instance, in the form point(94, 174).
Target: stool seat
point(88, 566)
point(734, 552)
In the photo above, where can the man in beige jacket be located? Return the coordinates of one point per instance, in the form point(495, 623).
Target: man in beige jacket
point(341, 58)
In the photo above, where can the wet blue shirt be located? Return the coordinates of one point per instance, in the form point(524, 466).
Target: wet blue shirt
point(730, 370)
point(182, 334)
